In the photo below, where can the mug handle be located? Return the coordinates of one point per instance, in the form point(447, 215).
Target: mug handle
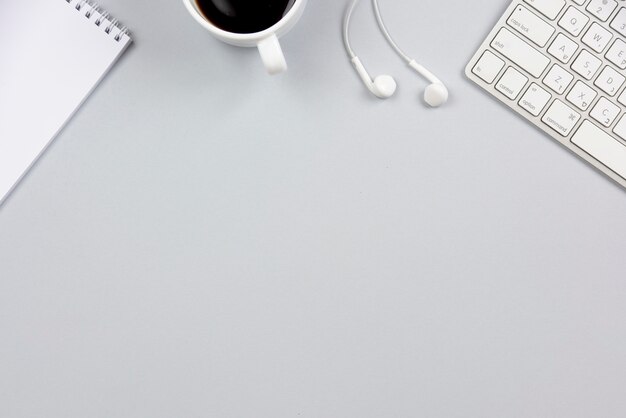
point(272, 55)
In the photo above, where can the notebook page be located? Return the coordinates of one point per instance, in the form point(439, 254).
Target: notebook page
point(51, 57)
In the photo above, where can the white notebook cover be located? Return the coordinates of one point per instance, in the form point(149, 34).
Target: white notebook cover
point(51, 57)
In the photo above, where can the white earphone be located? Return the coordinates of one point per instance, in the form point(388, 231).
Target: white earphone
point(384, 86)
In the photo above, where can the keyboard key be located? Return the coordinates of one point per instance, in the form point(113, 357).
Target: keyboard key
point(488, 67)
point(549, 8)
point(573, 21)
point(617, 53)
point(558, 79)
point(521, 53)
point(586, 64)
point(602, 9)
point(597, 38)
point(620, 128)
point(622, 98)
point(561, 118)
point(619, 23)
point(610, 81)
point(581, 95)
point(563, 48)
point(601, 146)
point(535, 99)
point(531, 26)
point(605, 112)
point(511, 83)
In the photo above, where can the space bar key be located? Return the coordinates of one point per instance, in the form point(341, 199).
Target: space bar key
point(601, 146)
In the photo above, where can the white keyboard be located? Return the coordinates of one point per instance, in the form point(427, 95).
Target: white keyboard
point(560, 64)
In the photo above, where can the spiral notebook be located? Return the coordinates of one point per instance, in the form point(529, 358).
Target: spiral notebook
point(53, 53)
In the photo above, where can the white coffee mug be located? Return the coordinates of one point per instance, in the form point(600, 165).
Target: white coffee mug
point(266, 40)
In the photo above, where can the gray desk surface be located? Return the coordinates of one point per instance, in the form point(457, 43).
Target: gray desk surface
point(203, 240)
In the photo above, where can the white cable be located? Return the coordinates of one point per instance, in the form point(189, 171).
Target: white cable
point(383, 29)
point(381, 25)
point(346, 28)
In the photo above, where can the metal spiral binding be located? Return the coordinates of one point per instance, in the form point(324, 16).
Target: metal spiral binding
point(89, 7)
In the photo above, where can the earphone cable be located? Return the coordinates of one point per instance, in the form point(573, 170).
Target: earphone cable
point(387, 35)
point(346, 28)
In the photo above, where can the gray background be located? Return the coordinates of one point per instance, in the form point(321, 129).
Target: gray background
point(203, 240)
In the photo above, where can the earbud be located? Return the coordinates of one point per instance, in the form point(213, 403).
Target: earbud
point(383, 86)
point(436, 94)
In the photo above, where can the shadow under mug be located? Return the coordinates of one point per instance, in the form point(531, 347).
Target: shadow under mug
point(266, 40)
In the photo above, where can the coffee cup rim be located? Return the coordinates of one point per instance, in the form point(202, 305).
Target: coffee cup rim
point(199, 17)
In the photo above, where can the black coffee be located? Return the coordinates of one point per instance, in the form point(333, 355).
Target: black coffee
point(244, 16)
